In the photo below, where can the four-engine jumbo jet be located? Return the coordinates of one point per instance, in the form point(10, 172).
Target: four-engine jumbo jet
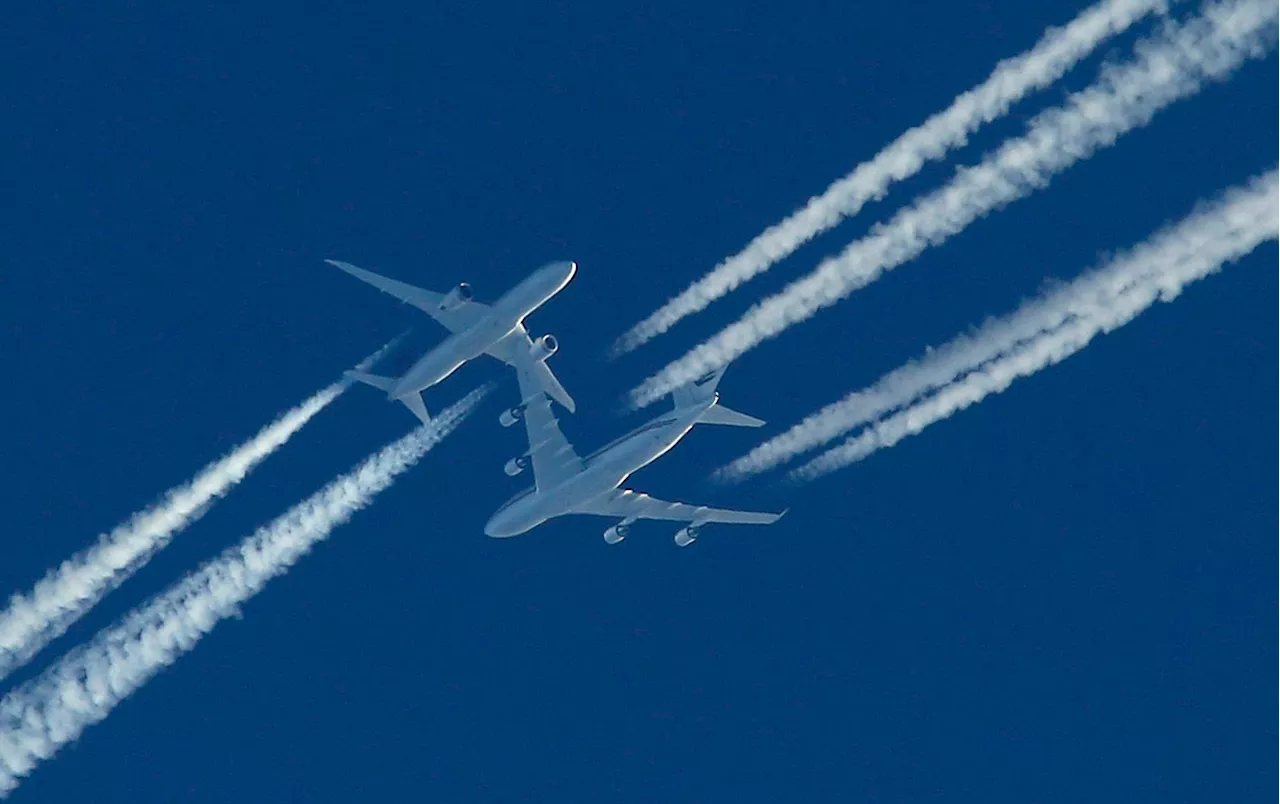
point(476, 329)
point(567, 484)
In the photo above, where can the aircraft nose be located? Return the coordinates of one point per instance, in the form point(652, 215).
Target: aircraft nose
point(563, 271)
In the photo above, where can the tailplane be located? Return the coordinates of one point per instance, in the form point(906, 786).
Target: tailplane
point(413, 401)
point(376, 380)
point(719, 414)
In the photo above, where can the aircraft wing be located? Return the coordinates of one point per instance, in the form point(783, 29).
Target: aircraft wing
point(534, 375)
point(429, 302)
point(553, 457)
point(627, 504)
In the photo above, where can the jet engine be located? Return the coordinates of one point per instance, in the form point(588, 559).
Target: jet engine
point(511, 416)
point(515, 466)
point(617, 532)
point(457, 297)
point(686, 536)
point(544, 347)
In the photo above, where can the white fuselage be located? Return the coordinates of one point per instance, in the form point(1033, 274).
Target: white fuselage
point(603, 471)
point(505, 317)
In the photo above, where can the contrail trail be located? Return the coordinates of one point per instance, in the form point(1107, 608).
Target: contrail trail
point(1172, 65)
point(64, 594)
point(1253, 216)
point(40, 717)
point(1058, 50)
point(1215, 232)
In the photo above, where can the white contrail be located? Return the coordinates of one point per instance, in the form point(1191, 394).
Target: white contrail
point(1221, 228)
point(1058, 50)
point(64, 594)
point(1170, 66)
point(1255, 219)
point(53, 709)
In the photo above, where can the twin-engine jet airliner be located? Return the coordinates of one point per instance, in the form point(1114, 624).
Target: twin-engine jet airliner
point(476, 329)
point(567, 484)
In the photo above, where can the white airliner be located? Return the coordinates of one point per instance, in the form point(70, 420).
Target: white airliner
point(477, 329)
point(567, 484)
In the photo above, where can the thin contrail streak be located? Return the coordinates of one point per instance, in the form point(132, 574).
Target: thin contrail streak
point(1170, 66)
point(1058, 50)
point(1256, 214)
point(1219, 228)
point(64, 594)
point(40, 717)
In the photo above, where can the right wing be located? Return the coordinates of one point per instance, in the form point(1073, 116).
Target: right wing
point(627, 504)
point(454, 320)
point(554, 459)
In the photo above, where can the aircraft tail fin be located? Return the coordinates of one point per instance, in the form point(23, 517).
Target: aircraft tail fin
point(376, 380)
point(719, 414)
point(702, 391)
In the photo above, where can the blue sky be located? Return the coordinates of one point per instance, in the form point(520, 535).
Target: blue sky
point(1064, 593)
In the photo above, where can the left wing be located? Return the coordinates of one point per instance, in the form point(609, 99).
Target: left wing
point(627, 504)
point(554, 458)
point(454, 319)
point(534, 375)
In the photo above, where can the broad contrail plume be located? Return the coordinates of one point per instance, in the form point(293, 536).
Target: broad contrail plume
point(1222, 228)
point(1058, 51)
point(39, 717)
point(1247, 218)
point(60, 598)
point(1169, 66)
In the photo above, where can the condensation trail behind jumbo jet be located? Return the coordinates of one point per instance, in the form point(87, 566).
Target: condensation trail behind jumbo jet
point(1214, 232)
point(1058, 50)
point(64, 594)
point(1250, 216)
point(40, 717)
point(1173, 65)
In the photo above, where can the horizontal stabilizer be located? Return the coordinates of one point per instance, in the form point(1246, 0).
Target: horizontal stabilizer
point(376, 380)
point(415, 404)
point(719, 414)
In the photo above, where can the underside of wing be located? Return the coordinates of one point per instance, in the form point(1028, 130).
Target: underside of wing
point(452, 310)
point(627, 504)
point(553, 457)
point(516, 350)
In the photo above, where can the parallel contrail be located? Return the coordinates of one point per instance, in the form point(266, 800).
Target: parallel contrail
point(1058, 51)
point(40, 717)
point(1214, 233)
point(1249, 217)
point(64, 594)
point(1172, 65)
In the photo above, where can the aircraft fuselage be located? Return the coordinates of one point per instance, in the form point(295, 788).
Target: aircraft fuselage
point(504, 318)
point(603, 471)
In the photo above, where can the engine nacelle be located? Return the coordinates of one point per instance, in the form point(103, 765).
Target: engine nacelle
point(511, 416)
point(544, 347)
point(617, 533)
point(515, 466)
point(686, 536)
point(460, 295)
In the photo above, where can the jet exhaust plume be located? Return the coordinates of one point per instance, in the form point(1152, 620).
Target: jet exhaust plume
point(1247, 218)
point(1058, 50)
point(1169, 66)
point(41, 716)
point(1214, 232)
point(64, 594)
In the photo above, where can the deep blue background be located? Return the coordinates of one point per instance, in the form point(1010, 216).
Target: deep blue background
point(1066, 593)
